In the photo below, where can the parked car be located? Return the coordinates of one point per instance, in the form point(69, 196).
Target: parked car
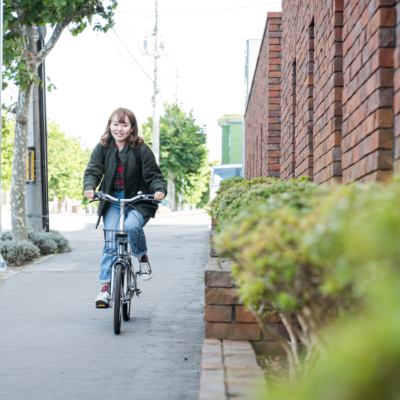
point(221, 172)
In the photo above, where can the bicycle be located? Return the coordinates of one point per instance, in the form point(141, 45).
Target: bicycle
point(121, 244)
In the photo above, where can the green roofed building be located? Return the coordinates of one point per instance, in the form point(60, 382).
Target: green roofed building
point(231, 138)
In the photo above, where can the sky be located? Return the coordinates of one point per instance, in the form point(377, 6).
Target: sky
point(204, 43)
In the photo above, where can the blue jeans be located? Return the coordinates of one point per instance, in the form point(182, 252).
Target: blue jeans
point(133, 220)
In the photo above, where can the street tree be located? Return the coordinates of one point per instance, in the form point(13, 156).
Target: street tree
point(183, 151)
point(197, 186)
point(7, 144)
point(67, 163)
point(67, 160)
point(20, 67)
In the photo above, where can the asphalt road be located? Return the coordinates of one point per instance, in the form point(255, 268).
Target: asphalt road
point(54, 343)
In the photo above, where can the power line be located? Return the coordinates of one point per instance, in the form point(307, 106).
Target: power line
point(122, 54)
point(199, 11)
point(134, 59)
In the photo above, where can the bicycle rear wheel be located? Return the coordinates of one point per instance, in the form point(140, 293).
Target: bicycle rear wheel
point(126, 311)
point(118, 300)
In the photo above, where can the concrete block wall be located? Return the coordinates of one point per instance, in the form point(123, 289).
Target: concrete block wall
point(263, 115)
point(340, 92)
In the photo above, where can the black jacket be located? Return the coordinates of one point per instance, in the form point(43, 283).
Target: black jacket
point(150, 181)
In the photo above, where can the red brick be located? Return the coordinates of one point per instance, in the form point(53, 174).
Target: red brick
point(216, 276)
point(243, 315)
point(221, 296)
point(218, 313)
point(215, 330)
point(383, 17)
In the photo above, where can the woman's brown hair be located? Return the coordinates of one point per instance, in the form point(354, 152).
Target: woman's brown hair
point(134, 140)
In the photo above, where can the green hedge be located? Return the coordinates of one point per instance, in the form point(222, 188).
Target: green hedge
point(229, 192)
point(358, 235)
point(306, 252)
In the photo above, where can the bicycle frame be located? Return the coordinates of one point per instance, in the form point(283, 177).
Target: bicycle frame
point(123, 258)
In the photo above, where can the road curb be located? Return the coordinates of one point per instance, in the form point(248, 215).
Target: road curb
point(43, 259)
point(7, 275)
point(9, 272)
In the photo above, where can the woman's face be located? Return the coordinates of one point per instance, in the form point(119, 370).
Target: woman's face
point(120, 130)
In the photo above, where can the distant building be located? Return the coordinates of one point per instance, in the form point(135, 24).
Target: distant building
point(231, 138)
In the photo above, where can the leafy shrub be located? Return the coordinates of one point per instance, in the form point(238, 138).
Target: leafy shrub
point(313, 253)
point(61, 241)
point(226, 196)
point(6, 236)
point(226, 183)
point(272, 273)
point(261, 193)
point(362, 361)
point(43, 241)
point(18, 253)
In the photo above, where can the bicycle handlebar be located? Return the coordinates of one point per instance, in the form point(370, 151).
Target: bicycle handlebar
point(104, 196)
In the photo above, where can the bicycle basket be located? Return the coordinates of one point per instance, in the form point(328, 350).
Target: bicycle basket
point(128, 239)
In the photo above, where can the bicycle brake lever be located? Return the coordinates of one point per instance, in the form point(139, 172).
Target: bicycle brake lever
point(92, 201)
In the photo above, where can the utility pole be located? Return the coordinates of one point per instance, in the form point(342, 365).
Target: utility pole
point(176, 87)
point(36, 201)
point(1, 105)
point(156, 112)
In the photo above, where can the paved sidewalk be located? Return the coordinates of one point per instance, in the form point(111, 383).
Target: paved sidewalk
point(54, 344)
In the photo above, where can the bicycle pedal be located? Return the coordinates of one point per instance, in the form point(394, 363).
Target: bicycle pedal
point(102, 306)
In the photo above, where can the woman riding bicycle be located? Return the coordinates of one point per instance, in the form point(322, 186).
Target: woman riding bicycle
point(124, 165)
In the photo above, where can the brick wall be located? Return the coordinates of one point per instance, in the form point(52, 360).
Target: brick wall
point(262, 118)
point(369, 42)
point(397, 93)
point(340, 93)
point(311, 89)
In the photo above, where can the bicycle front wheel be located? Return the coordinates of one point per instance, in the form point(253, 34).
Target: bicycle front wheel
point(118, 299)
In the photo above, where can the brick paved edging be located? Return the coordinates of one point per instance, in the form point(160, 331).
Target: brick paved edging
point(229, 370)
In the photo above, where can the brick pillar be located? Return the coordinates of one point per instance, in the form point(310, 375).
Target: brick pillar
point(273, 132)
point(288, 160)
point(328, 80)
point(304, 139)
point(369, 41)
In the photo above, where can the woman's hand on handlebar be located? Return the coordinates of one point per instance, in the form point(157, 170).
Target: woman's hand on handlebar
point(89, 194)
point(159, 196)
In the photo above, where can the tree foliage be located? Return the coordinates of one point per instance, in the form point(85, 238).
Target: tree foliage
point(67, 162)
point(182, 149)
point(20, 67)
point(7, 144)
point(19, 64)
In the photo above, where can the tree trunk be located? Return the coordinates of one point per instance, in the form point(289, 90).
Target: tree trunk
point(18, 176)
point(171, 191)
